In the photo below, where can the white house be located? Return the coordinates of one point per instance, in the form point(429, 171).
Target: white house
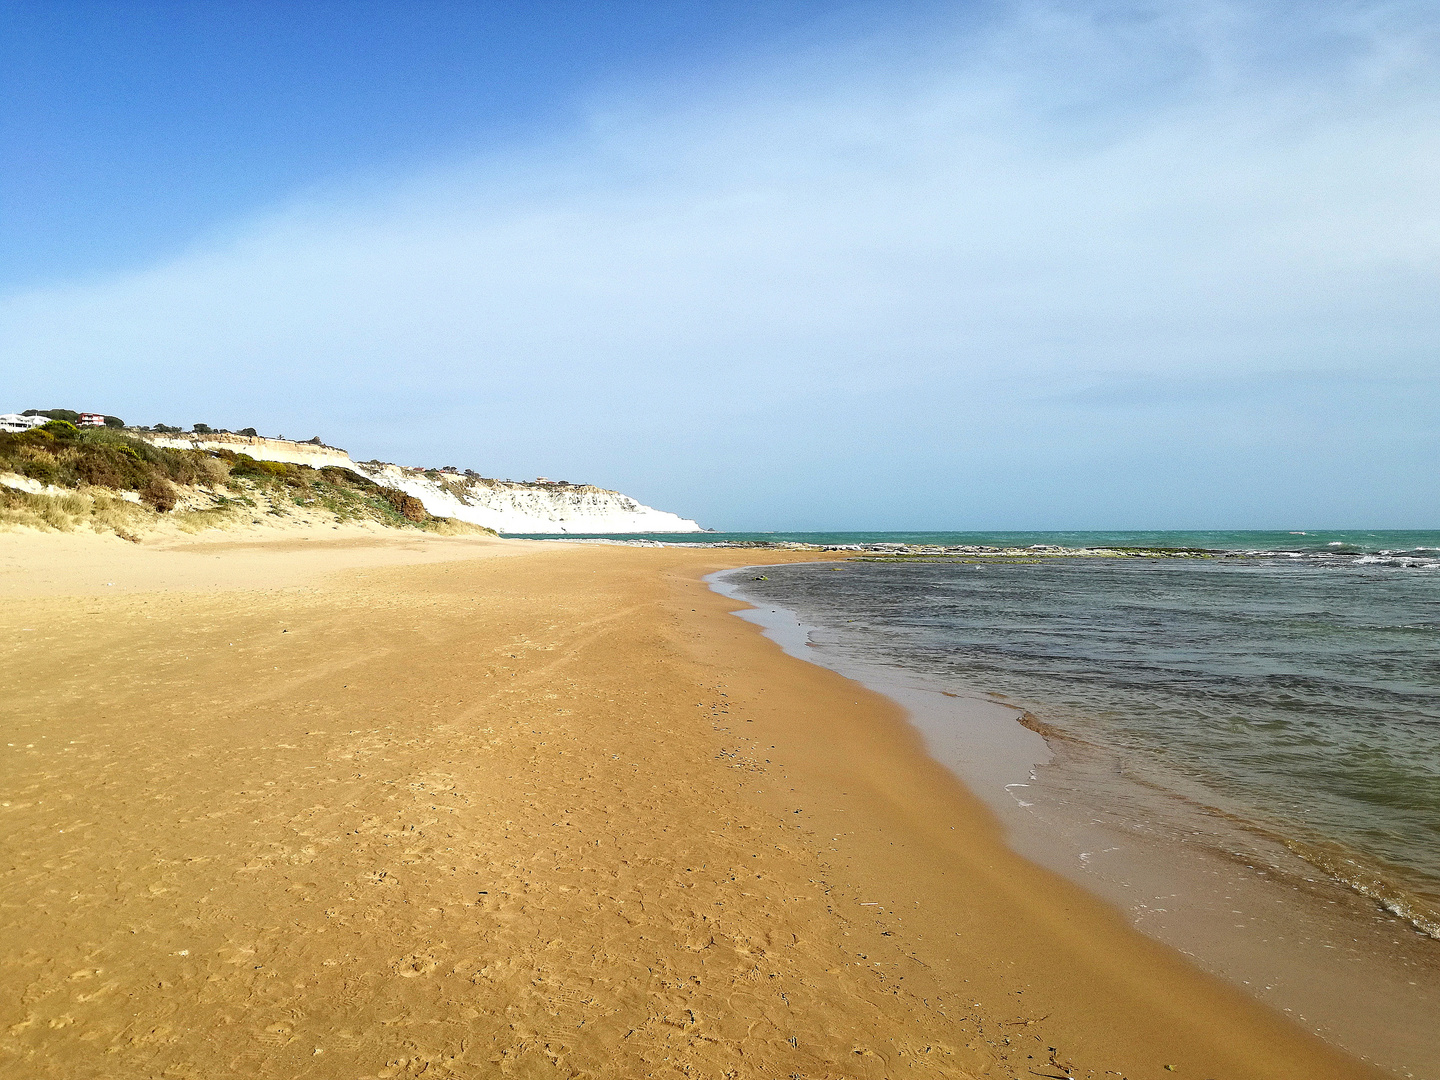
point(16, 422)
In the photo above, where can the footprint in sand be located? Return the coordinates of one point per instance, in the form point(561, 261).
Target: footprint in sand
point(411, 966)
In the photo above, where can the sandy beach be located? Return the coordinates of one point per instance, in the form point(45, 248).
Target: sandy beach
point(359, 805)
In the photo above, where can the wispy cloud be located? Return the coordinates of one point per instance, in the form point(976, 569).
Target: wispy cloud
point(820, 266)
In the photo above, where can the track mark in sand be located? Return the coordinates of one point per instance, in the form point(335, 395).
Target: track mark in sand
point(236, 954)
point(577, 639)
point(275, 1035)
point(19, 1027)
point(354, 992)
point(99, 991)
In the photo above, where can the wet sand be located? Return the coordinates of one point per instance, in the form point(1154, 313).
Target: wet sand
point(365, 807)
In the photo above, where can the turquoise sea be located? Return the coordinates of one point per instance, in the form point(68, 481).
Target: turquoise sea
point(1364, 541)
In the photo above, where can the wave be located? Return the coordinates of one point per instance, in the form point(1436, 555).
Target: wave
point(1386, 885)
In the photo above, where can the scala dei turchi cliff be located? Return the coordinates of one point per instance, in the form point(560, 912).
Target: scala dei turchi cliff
point(507, 506)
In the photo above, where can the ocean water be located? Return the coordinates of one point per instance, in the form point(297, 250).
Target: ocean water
point(1422, 544)
point(1294, 688)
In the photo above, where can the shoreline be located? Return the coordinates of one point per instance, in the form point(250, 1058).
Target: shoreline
point(1227, 894)
point(493, 807)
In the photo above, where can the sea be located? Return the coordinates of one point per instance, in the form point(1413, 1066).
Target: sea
point(1235, 736)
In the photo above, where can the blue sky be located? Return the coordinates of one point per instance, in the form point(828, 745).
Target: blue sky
point(141, 125)
point(770, 265)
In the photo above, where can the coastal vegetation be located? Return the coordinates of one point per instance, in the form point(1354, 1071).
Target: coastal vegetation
point(105, 479)
point(61, 455)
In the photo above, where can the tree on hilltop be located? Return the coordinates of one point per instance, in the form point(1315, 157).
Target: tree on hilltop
point(68, 415)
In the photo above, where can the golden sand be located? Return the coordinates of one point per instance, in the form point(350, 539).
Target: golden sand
point(370, 807)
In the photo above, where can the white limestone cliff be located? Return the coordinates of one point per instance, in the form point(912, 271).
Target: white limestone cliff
point(510, 507)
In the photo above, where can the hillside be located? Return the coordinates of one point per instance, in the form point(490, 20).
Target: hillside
point(62, 477)
point(130, 481)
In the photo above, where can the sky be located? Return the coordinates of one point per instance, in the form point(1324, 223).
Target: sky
point(782, 265)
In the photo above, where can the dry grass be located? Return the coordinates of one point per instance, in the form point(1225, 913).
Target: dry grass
point(455, 527)
point(224, 516)
point(94, 509)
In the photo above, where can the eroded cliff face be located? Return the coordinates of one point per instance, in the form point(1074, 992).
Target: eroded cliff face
point(501, 505)
point(528, 508)
point(259, 448)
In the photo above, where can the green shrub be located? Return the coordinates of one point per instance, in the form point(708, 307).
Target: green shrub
point(343, 477)
point(245, 465)
point(106, 467)
point(411, 508)
point(40, 465)
point(159, 494)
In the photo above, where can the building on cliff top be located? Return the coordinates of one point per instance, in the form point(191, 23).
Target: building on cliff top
point(17, 422)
